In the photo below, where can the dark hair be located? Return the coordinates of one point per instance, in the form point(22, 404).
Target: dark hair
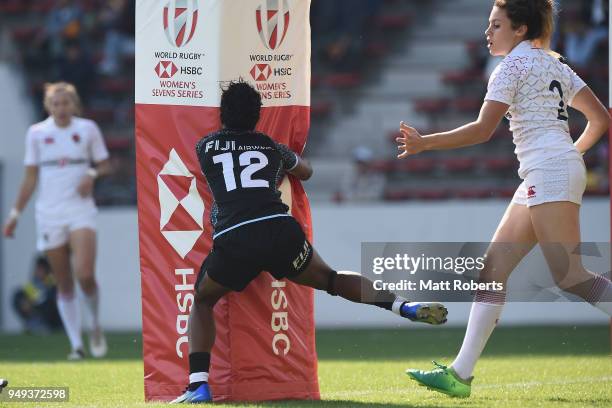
point(240, 106)
point(41, 261)
point(537, 15)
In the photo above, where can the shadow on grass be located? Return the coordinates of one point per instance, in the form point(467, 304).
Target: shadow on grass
point(362, 345)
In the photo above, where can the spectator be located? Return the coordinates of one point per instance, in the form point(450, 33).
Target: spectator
point(75, 67)
point(35, 302)
point(583, 38)
point(118, 20)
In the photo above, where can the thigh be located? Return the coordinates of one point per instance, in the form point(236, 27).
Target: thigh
point(513, 239)
point(51, 236)
point(59, 259)
point(557, 227)
point(289, 252)
point(316, 274)
point(83, 247)
point(208, 291)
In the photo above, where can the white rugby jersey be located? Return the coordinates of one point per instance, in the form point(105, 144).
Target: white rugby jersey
point(538, 87)
point(63, 156)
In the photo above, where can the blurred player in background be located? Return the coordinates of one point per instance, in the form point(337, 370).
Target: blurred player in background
point(253, 232)
point(532, 87)
point(66, 153)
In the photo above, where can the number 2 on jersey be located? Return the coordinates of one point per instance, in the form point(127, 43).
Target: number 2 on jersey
point(561, 111)
point(245, 159)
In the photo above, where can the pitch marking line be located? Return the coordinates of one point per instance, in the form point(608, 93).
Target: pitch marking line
point(586, 380)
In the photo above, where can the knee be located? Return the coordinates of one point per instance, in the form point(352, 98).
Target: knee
point(88, 284)
point(204, 299)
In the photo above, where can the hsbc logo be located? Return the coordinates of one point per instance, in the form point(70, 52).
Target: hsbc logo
point(178, 195)
point(180, 21)
point(261, 72)
point(165, 69)
point(272, 18)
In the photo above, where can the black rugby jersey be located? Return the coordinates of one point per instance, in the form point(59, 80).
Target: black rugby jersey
point(242, 169)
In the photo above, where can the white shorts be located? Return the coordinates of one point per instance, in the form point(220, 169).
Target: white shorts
point(54, 234)
point(557, 179)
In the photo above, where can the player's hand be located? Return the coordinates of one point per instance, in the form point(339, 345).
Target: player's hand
point(9, 227)
point(86, 186)
point(410, 141)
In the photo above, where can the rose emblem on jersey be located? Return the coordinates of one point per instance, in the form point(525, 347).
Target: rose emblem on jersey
point(272, 18)
point(180, 21)
point(76, 138)
point(181, 206)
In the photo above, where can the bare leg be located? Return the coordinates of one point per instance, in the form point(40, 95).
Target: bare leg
point(83, 246)
point(67, 302)
point(201, 318)
point(358, 289)
point(513, 240)
point(557, 226)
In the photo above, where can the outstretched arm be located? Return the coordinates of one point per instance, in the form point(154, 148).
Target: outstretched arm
point(597, 115)
point(479, 131)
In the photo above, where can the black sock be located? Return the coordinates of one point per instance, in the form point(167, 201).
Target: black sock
point(198, 363)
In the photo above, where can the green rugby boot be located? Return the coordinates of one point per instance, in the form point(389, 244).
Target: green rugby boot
point(442, 379)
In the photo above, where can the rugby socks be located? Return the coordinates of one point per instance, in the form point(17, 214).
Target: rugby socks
point(486, 309)
point(92, 305)
point(199, 364)
point(396, 306)
point(600, 294)
point(68, 307)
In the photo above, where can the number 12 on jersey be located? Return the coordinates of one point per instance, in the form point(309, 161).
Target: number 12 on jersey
point(252, 162)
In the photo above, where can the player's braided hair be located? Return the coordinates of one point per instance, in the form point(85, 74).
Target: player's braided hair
point(240, 106)
point(537, 15)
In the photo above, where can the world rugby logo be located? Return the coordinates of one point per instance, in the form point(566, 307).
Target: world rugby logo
point(180, 21)
point(272, 17)
point(184, 197)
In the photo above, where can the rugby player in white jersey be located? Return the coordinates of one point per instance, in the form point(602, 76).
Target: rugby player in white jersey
point(532, 87)
point(64, 155)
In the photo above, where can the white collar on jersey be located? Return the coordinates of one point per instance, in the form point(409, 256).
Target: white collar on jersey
point(521, 48)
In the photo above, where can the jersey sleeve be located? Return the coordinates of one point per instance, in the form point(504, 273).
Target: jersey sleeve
point(290, 158)
point(97, 147)
point(32, 157)
point(576, 84)
point(504, 81)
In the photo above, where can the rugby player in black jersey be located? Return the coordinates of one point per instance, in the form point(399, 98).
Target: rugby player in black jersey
point(253, 231)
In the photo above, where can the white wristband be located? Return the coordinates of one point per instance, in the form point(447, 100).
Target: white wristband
point(91, 172)
point(14, 213)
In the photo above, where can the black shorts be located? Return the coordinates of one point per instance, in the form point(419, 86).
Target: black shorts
point(276, 245)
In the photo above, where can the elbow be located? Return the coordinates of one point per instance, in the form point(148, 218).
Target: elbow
point(307, 174)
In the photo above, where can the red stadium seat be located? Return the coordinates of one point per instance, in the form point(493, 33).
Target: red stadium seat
point(393, 21)
point(467, 104)
point(458, 164)
point(421, 165)
point(461, 77)
point(321, 109)
point(381, 166)
point(431, 106)
point(499, 164)
point(343, 80)
point(473, 193)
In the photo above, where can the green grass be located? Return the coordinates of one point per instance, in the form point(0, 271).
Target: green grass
point(522, 367)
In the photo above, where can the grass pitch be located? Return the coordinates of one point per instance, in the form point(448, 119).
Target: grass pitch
point(521, 367)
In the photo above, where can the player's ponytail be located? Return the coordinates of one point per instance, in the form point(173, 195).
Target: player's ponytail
point(537, 15)
point(51, 88)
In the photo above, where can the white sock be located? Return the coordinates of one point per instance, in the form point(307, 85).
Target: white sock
point(397, 304)
point(486, 309)
point(600, 295)
point(198, 377)
point(92, 305)
point(68, 308)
